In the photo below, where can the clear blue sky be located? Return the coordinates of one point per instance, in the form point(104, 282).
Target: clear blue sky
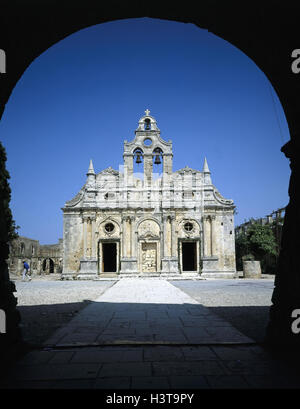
point(84, 96)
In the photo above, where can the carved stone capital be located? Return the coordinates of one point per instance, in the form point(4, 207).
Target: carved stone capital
point(89, 218)
point(128, 218)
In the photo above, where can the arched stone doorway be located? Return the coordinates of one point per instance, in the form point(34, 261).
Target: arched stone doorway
point(267, 35)
point(48, 266)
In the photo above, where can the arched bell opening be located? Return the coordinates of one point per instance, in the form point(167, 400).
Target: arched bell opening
point(157, 163)
point(147, 124)
point(138, 163)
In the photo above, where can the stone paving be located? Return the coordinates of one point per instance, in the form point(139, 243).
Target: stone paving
point(153, 311)
point(148, 334)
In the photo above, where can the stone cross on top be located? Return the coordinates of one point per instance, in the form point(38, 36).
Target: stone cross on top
point(147, 112)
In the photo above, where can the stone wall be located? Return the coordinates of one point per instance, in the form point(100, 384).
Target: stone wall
point(42, 259)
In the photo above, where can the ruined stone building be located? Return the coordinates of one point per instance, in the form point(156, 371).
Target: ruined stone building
point(42, 258)
point(129, 223)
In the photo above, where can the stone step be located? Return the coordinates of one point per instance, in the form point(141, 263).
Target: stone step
point(108, 275)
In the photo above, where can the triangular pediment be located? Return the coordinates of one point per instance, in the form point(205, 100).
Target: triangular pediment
point(187, 169)
point(109, 171)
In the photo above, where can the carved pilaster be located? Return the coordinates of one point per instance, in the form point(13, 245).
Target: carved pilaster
point(88, 235)
point(207, 235)
point(128, 235)
point(167, 240)
point(213, 238)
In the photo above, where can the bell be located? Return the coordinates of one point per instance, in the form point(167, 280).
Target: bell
point(138, 158)
point(157, 160)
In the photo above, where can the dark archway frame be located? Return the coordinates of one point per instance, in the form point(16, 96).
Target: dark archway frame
point(267, 32)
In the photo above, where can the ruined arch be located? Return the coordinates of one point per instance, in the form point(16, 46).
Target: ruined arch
point(48, 266)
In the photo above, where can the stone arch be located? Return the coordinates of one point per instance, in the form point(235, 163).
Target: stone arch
point(222, 23)
point(137, 148)
point(146, 218)
point(22, 248)
point(108, 219)
point(184, 220)
point(269, 45)
point(48, 266)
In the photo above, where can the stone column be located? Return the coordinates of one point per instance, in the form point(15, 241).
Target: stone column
point(165, 236)
point(207, 236)
point(214, 237)
point(88, 263)
point(89, 238)
point(148, 169)
point(93, 238)
point(128, 259)
point(170, 258)
point(84, 235)
point(124, 249)
point(128, 236)
point(173, 238)
point(133, 244)
point(128, 169)
point(167, 170)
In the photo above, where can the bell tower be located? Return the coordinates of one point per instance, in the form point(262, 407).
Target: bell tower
point(150, 148)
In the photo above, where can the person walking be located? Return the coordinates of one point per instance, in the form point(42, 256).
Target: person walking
point(25, 271)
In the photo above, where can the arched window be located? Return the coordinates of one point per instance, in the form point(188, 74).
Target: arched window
point(22, 248)
point(109, 227)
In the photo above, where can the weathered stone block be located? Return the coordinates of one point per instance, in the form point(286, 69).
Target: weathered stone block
point(251, 269)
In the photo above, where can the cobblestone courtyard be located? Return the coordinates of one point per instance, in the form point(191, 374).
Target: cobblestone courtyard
point(146, 334)
point(47, 305)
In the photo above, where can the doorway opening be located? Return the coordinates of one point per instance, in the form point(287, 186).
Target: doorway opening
point(48, 266)
point(189, 256)
point(109, 257)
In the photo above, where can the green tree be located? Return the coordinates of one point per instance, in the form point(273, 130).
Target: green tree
point(8, 228)
point(7, 224)
point(242, 248)
point(257, 242)
point(262, 241)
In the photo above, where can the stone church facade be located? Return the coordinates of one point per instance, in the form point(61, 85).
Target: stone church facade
point(129, 224)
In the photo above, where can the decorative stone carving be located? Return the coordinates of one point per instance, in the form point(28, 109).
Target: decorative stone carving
point(149, 256)
point(148, 228)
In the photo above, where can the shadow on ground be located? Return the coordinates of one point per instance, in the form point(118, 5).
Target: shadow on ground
point(251, 320)
point(39, 322)
point(178, 346)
